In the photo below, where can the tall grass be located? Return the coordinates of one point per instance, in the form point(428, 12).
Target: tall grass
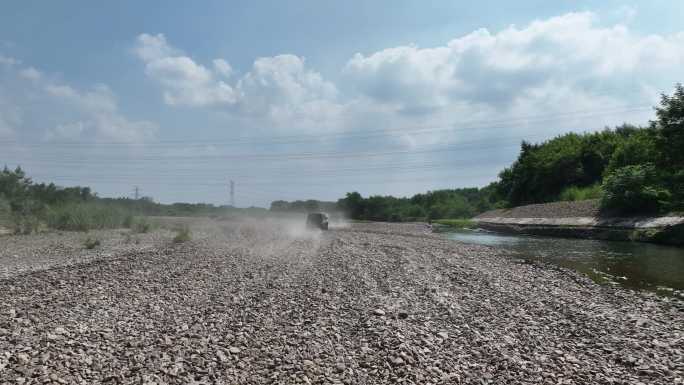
point(574, 193)
point(5, 212)
point(86, 216)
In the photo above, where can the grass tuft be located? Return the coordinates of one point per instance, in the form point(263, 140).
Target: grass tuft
point(91, 243)
point(141, 226)
point(182, 235)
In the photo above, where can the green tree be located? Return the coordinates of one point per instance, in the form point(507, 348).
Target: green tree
point(634, 189)
point(670, 123)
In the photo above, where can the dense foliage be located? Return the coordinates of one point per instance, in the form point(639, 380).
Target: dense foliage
point(306, 206)
point(641, 170)
point(543, 171)
point(456, 203)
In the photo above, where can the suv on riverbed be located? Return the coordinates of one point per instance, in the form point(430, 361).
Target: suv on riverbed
point(317, 221)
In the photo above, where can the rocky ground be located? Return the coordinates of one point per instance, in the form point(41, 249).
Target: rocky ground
point(269, 303)
point(587, 208)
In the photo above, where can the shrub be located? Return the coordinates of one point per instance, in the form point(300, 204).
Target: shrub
point(182, 235)
point(25, 224)
point(634, 189)
point(91, 243)
point(128, 221)
point(25, 215)
point(141, 225)
point(574, 193)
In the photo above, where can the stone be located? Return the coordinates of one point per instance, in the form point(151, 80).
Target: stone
point(23, 359)
point(234, 350)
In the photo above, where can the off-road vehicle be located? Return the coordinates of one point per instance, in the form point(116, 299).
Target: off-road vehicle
point(317, 221)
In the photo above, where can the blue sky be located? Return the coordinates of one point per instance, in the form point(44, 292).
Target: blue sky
point(313, 99)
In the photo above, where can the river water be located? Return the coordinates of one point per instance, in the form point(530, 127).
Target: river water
point(630, 264)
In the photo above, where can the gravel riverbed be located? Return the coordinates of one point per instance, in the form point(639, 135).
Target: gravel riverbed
point(266, 302)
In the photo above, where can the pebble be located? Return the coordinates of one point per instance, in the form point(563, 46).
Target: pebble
point(234, 350)
point(245, 304)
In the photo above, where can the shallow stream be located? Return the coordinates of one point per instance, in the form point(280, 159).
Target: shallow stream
point(630, 264)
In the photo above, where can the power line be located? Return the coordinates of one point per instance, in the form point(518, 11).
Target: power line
point(474, 124)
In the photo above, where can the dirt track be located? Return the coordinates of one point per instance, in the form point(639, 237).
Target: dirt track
point(247, 303)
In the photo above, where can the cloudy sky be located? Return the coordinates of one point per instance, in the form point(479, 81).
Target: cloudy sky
point(312, 99)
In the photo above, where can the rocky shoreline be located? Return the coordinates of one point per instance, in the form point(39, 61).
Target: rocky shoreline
point(583, 219)
point(269, 303)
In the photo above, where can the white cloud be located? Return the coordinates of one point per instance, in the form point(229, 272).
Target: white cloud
point(184, 81)
point(282, 84)
point(626, 14)
point(30, 73)
point(501, 69)
point(30, 101)
point(101, 117)
point(10, 115)
point(223, 67)
point(569, 62)
point(279, 87)
point(8, 61)
point(153, 47)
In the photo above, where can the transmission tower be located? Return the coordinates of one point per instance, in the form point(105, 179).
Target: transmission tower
point(137, 193)
point(232, 193)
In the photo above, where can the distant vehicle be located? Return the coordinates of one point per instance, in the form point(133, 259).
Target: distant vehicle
point(317, 221)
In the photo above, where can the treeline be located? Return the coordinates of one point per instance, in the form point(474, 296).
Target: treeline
point(300, 206)
point(456, 203)
point(631, 169)
point(27, 206)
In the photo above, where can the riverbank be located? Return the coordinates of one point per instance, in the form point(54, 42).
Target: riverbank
point(583, 219)
point(270, 302)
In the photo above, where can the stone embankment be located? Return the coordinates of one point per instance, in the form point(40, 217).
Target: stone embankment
point(583, 219)
point(250, 302)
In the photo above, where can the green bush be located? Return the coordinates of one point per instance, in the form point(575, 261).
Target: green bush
point(634, 189)
point(574, 193)
point(182, 235)
point(91, 243)
point(25, 224)
point(128, 221)
point(25, 215)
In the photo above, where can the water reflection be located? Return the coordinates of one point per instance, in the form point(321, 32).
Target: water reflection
point(635, 265)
